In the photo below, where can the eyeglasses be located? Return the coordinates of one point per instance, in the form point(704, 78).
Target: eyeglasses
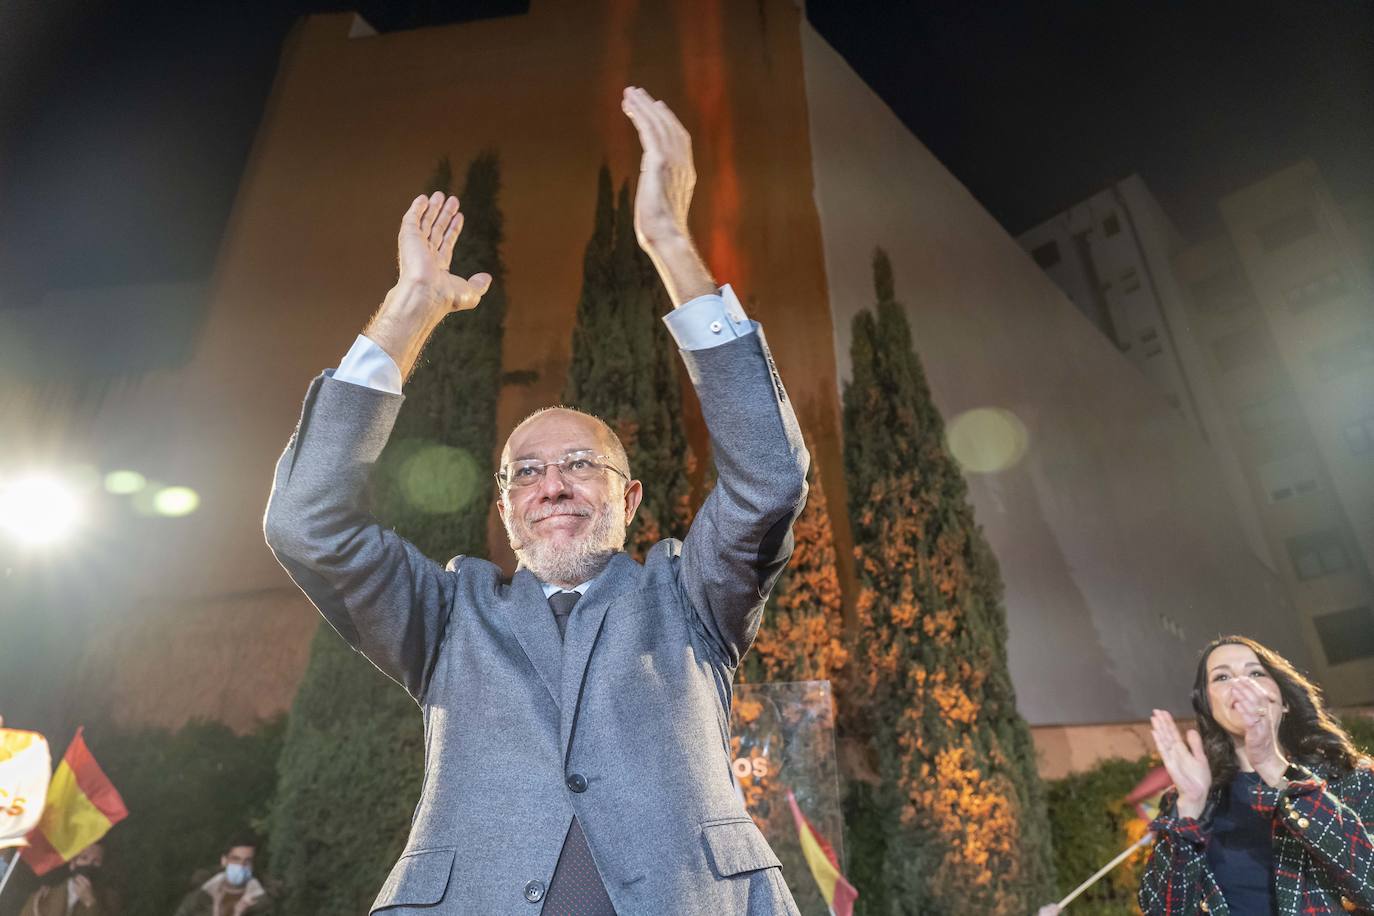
point(580, 465)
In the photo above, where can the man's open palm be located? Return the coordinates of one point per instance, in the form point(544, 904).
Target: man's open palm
point(424, 250)
point(666, 173)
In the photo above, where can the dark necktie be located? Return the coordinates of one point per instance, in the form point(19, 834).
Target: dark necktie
point(576, 888)
point(562, 604)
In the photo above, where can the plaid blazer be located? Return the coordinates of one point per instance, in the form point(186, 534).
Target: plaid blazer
point(1323, 822)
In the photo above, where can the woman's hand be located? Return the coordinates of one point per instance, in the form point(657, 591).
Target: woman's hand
point(1186, 763)
point(1261, 714)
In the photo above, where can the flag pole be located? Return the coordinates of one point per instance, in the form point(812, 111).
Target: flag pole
point(1122, 857)
point(11, 869)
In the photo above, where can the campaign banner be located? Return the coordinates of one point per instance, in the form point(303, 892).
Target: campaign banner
point(25, 768)
point(783, 742)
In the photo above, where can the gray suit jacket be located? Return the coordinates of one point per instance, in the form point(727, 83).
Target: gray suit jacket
point(626, 724)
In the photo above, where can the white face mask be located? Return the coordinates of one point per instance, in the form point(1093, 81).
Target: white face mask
point(238, 875)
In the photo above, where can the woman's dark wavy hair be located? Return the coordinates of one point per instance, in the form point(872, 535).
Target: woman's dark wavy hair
point(1307, 732)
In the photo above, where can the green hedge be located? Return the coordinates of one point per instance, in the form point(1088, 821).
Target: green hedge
point(1089, 824)
point(187, 792)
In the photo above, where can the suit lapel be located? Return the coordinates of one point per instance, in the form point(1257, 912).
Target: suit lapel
point(534, 626)
point(584, 627)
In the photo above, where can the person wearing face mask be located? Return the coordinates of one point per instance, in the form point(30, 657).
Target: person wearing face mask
point(1272, 810)
point(233, 891)
point(82, 893)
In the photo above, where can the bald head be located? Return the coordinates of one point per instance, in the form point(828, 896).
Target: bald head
point(563, 526)
point(554, 430)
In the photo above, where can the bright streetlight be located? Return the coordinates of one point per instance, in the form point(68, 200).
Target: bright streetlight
point(37, 509)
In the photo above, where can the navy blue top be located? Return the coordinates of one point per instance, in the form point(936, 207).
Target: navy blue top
point(1241, 849)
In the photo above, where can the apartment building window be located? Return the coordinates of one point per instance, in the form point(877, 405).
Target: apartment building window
point(1288, 229)
point(1359, 437)
point(1347, 635)
point(1111, 225)
point(1316, 291)
point(1046, 255)
point(1321, 553)
point(1224, 291)
point(1153, 349)
point(1266, 415)
point(1290, 477)
point(1148, 335)
point(1349, 355)
point(1242, 348)
point(1130, 280)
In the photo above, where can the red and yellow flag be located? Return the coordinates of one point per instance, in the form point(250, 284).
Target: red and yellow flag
point(1146, 795)
point(82, 806)
point(839, 894)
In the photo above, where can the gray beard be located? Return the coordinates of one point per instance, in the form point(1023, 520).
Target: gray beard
point(575, 562)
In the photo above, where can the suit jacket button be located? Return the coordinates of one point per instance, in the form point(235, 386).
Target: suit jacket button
point(534, 891)
point(577, 782)
point(1204, 907)
point(1303, 823)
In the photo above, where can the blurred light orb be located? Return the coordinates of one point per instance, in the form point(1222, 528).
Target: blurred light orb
point(124, 483)
point(987, 440)
point(439, 479)
point(37, 510)
point(175, 502)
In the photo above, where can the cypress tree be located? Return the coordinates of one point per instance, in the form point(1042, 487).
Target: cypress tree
point(351, 768)
point(958, 823)
point(624, 366)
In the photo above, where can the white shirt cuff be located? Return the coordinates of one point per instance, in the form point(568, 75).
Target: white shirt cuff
point(369, 365)
point(709, 321)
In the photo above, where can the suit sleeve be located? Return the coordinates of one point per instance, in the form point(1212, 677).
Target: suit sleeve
point(1172, 881)
point(384, 597)
point(742, 537)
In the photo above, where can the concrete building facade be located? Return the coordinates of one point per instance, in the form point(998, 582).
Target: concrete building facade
point(1303, 395)
point(1269, 336)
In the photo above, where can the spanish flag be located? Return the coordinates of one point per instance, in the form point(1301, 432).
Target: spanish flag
point(82, 806)
point(1146, 795)
point(839, 894)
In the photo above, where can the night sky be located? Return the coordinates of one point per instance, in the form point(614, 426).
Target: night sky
point(125, 126)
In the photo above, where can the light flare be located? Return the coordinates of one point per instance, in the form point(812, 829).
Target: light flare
point(38, 509)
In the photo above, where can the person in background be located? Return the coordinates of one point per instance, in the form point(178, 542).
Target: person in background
point(82, 893)
point(232, 891)
point(1273, 807)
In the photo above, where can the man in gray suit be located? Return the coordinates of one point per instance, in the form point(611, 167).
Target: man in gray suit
point(577, 717)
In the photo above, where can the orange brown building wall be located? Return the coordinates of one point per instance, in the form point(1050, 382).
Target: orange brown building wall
point(352, 129)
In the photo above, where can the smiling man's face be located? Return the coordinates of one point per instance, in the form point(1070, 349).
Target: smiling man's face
point(565, 531)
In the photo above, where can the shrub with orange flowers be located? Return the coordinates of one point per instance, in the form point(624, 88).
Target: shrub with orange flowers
point(956, 822)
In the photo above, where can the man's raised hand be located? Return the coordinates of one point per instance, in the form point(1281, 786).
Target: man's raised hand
point(666, 173)
point(664, 195)
point(425, 291)
point(424, 250)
